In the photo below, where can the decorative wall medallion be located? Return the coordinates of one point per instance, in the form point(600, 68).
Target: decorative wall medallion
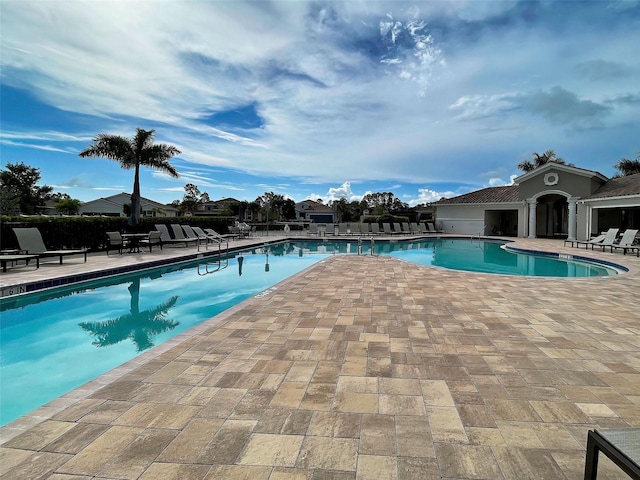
point(551, 179)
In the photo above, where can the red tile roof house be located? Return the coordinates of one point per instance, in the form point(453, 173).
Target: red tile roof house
point(316, 212)
point(551, 201)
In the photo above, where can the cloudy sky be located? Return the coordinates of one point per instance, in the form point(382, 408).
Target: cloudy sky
point(318, 99)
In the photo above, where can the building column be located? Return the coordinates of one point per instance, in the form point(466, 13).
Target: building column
point(532, 217)
point(571, 234)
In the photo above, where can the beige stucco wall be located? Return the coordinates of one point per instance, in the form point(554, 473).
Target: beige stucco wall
point(470, 219)
point(573, 184)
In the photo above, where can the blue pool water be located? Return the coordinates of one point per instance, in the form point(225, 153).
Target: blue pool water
point(54, 341)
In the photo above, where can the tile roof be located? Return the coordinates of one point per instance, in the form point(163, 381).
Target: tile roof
point(509, 193)
point(619, 187)
point(320, 207)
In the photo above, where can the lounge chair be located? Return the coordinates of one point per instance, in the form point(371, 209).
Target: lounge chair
point(606, 239)
point(375, 228)
point(343, 229)
point(397, 228)
point(592, 240)
point(405, 228)
point(364, 229)
point(386, 228)
point(192, 234)
point(166, 238)
point(154, 238)
point(415, 229)
point(627, 240)
point(226, 236)
point(179, 234)
point(30, 241)
point(330, 229)
point(432, 228)
point(423, 227)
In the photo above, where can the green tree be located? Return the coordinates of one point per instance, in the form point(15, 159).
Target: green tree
point(191, 197)
point(133, 153)
point(289, 209)
point(383, 202)
point(68, 206)
point(627, 167)
point(539, 160)
point(20, 192)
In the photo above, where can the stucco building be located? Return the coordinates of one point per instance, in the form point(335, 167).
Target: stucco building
point(553, 201)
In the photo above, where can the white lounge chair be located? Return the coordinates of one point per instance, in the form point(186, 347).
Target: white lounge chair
point(30, 241)
point(606, 239)
point(313, 229)
point(627, 241)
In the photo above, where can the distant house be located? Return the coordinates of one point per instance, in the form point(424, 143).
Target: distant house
point(225, 207)
point(220, 207)
point(113, 206)
point(551, 201)
point(316, 212)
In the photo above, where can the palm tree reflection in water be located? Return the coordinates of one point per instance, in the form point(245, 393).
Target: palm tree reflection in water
point(138, 326)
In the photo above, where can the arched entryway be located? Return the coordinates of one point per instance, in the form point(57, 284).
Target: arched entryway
point(552, 214)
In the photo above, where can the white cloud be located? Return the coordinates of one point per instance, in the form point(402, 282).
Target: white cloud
point(370, 91)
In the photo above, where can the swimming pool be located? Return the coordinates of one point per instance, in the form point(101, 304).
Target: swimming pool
point(54, 341)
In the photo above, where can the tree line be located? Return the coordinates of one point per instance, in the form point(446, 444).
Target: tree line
point(21, 194)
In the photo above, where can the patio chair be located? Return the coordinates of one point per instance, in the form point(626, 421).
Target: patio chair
point(375, 228)
point(397, 228)
point(423, 228)
point(30, 241)
point(386, 227)
point(415, 229)
point(155, 238)
point(313, 229)
point(608, 240)
point(405, 228)
point(343, 229)
point(330, 229)
point(214, 234)
point(627, 241)
point(364, 229)
point(115, 242)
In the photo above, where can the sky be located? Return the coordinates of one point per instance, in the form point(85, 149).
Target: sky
point(318, 99)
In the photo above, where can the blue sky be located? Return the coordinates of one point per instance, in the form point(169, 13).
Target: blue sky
point(318, 99)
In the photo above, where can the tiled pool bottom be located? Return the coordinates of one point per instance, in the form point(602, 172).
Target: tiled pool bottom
point(371, 367)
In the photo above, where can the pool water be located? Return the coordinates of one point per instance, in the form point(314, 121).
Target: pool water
point(54, 341)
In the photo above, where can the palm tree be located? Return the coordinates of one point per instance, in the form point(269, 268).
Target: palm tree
point(138, 326)
point(133, 153)
point(539, 160)
point(627, 167)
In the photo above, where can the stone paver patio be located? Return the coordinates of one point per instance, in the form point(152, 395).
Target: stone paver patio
point(362, 367)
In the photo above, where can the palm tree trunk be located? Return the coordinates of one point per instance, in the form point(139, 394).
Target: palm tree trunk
point(134, 219)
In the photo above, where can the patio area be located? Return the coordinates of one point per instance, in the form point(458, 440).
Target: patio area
point(360, 367)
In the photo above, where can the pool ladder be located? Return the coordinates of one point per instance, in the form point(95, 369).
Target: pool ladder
point(215, 267)
point(373, 244)
point(479, 234)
